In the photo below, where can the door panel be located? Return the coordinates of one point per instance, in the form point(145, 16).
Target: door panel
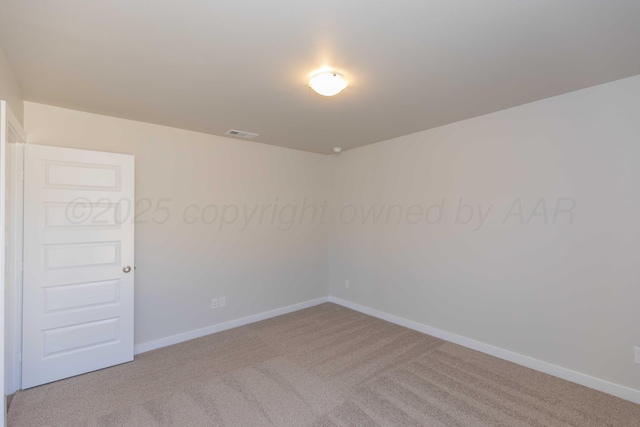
point(83, 295)
point(78, 301)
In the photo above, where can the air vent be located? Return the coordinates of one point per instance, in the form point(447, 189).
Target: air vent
point(241, 134)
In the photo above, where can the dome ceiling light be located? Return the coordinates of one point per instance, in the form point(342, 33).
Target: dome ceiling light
point(328, 83)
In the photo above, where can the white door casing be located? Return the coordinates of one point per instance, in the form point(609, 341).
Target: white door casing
point(14, 167)
point(78, 241)
point(11, 136)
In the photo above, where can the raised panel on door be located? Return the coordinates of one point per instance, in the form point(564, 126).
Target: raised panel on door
point(78, 301)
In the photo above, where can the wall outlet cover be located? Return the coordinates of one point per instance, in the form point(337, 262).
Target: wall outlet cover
point(636, 355)
point(222, 301)
point(347, 284)
point(214, 302)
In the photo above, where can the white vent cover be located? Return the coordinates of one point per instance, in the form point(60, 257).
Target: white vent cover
point(241, 134)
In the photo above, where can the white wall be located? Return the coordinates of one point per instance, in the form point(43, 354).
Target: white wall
point(180, 266)
point(565, 292)
point(9, 89)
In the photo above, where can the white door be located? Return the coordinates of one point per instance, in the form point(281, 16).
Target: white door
point(78, 262)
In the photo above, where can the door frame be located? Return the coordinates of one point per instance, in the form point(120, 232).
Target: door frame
point(7, 266)
point(13, 174)
point(13, 291)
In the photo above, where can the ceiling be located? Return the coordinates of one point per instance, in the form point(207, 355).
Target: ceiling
point(211, 66)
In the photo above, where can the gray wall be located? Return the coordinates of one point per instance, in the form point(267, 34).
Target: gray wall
point(562, 288)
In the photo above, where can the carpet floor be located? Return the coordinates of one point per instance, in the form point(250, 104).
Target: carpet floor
point(323, 366)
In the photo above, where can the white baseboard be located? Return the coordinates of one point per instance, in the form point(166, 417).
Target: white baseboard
point(197, 333)
point(538, 365)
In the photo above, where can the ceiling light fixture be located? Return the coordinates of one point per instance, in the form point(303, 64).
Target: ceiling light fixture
point(328, 83)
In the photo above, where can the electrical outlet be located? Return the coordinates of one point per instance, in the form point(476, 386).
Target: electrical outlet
point(222, 301)
point(636, 355)
point(214, 303)
point(347, 284)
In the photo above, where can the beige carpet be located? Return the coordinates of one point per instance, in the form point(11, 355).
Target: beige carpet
point(323, 366)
